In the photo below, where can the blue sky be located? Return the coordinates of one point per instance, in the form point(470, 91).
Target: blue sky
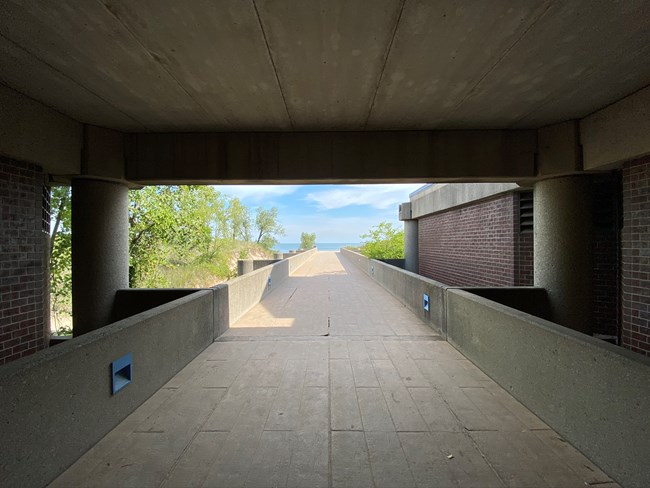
point(336, 213)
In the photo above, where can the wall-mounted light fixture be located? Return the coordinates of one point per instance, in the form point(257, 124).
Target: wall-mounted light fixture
point(121, 372)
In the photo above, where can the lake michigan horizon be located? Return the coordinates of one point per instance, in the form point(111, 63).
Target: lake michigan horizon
point(322, 246)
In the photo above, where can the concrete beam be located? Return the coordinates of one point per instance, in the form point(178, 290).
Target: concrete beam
point(103, 154)
point(559, 150)
point(331, 157)
point(618, 133)
point(30, 131)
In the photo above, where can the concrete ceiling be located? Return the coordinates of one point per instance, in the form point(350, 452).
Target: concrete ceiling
point(238, 65)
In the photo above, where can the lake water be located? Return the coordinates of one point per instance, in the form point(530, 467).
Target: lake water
point(322, 246)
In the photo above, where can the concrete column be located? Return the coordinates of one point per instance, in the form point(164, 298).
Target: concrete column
point(562, 248)
point(411, 247)
point(100, 251)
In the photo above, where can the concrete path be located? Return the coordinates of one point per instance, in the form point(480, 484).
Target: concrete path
point(330, 381)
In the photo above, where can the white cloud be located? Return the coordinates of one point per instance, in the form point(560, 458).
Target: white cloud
point(376, 196)
point(256, 193)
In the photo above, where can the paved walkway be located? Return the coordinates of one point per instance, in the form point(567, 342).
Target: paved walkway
point(330, 381)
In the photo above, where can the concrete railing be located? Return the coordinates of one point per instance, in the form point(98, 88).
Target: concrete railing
point(594, 394)
point(411, 288)
point(244, 292)
point(56, 404)
point(407, 287)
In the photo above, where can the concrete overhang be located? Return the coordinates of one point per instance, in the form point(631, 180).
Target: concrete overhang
point(333, 65)
point(442, 196)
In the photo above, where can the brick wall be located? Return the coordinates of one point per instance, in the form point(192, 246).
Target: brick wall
point(605, 252)
point(22, 260)
point(479, 244)
point(635, 256)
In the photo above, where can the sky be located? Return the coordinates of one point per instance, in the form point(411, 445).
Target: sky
point(336, 213)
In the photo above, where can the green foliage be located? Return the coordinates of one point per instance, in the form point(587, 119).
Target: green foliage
point(169, 225)
point(193, 229)
point(267, 227)
point(61, 257)
point(307, 240)
point(383, 242)
point(238, 221)
point(179, 236)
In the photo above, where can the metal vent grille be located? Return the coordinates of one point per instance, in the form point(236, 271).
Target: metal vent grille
point(526, 211)
point(46, 211)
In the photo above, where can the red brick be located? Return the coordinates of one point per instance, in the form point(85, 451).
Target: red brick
point(21, 260)
point(635, 265)
point(477, 245)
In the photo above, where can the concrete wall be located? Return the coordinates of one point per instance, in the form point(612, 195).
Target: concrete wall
point(244, 292)
point(57, 404)
point(597, 396)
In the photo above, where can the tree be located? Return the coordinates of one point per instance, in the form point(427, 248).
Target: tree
point(60, 253)
point(267, 227)
point(168, 225)
point(383, 242)
point(307, 241)
point(240, 220)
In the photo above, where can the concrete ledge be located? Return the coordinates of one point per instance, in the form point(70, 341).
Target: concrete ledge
point(244, 292)
point(594, 394)
point(55, 405)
